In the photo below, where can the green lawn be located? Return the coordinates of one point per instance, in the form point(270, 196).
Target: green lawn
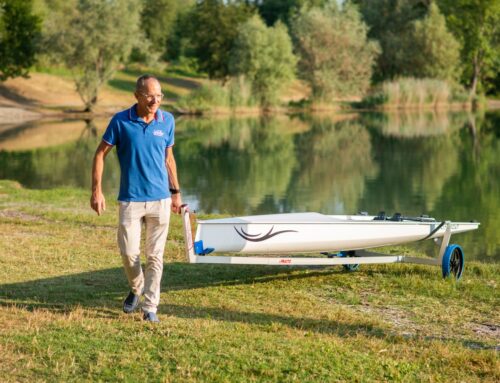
point(62, 285)
point(173, 84)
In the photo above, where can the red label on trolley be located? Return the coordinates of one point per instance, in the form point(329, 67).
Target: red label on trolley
point(285, 260)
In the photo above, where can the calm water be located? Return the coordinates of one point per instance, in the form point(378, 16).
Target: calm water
point(446, 165)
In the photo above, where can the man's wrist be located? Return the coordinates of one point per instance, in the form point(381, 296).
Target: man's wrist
point(174, 191)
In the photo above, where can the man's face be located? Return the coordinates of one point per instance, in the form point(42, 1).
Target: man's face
point(149, 96)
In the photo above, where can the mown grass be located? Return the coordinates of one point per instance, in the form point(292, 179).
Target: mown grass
point(62, 285)
point(173, 85)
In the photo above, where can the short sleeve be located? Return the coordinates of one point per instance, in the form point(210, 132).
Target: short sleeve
point(170, 130)
point(111, 134)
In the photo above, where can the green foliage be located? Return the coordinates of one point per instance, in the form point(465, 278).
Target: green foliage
point(213, 97)
point(158, 21)
point(391, 24)
point(241, 92)
point(284, 10)
point(205, 99)
point(213, 29)
point(475, 24)
point(93, 40)
point(19, 33)
point(435, 51)
point(335, 57)
point(264, 56)
point(179, 44)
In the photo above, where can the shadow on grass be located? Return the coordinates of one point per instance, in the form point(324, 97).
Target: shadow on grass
point(14, 96)
point(102, 291)
point(106, 288)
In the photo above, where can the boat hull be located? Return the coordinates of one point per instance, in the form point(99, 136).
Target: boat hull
point(314, 232)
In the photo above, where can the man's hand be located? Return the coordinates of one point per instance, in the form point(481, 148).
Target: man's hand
point(98, 202)
point(176, 203)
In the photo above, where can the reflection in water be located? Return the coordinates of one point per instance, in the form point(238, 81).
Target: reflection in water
point(66, 164)
point(236, 165)
point(407, 124)
point(335, 161)
point(36, 135)
point(412, 167)
point(446, 165)
point(473, 192)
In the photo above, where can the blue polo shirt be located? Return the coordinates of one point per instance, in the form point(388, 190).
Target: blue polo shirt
point(141, 152)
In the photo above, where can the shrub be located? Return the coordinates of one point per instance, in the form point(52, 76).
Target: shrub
point(208, 97)
point(335, 57)
point(264, 55)
point(413, 93)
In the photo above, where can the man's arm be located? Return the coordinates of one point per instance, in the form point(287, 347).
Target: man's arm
point(173, 180)
point(97, 200)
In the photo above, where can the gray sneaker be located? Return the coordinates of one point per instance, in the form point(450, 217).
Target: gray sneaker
point(150, 317)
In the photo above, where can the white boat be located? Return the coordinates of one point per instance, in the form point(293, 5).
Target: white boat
point(319, 233)
point(314, 232)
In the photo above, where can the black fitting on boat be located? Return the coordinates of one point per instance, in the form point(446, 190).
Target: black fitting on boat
point(380, 216)
point(397, 217)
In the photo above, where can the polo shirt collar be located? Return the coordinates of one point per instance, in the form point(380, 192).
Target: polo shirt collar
point(132, 114)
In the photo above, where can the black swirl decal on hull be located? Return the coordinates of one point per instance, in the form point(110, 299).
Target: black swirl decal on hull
point(259, 237)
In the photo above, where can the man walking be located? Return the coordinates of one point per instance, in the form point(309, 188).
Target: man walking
point(149, 189)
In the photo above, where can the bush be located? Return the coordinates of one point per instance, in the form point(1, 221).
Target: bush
point(264, 55)
point(204, 99)
point(213, 97)
point(433, 52)
point(414, 93)
point(240, 92)
point(335, 57)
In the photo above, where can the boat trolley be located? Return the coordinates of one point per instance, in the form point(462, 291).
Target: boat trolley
point(339, 239)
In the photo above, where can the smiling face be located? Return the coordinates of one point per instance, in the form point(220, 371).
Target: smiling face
point(148, 97)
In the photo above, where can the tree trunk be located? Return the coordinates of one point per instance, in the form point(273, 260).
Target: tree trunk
point(475, 76)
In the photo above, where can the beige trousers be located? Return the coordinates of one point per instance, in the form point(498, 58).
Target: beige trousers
point(156, 217)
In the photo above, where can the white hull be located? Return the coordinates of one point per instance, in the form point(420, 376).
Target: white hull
point(314, 232)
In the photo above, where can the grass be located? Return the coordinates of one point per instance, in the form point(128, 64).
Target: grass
point(414, 93)
point(173, 85)
point(62, 284)
point(213, 98)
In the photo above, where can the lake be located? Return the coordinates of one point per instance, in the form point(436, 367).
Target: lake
point(443, 164)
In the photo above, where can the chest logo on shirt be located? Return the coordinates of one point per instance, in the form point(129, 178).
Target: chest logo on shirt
point(158, 133)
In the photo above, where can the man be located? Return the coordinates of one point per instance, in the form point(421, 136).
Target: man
point(149, 189)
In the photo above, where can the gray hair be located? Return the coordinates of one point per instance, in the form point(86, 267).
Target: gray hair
point(139, 84)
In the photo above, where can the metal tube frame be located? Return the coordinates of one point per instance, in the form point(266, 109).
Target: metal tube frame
point(365, 257)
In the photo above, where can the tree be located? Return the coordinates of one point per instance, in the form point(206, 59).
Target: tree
point(390, 22)
point(19, 33)
point(214, 27)
point(435, 52)
point(264, 56)
point(93, 39)
point(476, 25)
point(335, 56)
point(284, 10)
point(158, 20)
